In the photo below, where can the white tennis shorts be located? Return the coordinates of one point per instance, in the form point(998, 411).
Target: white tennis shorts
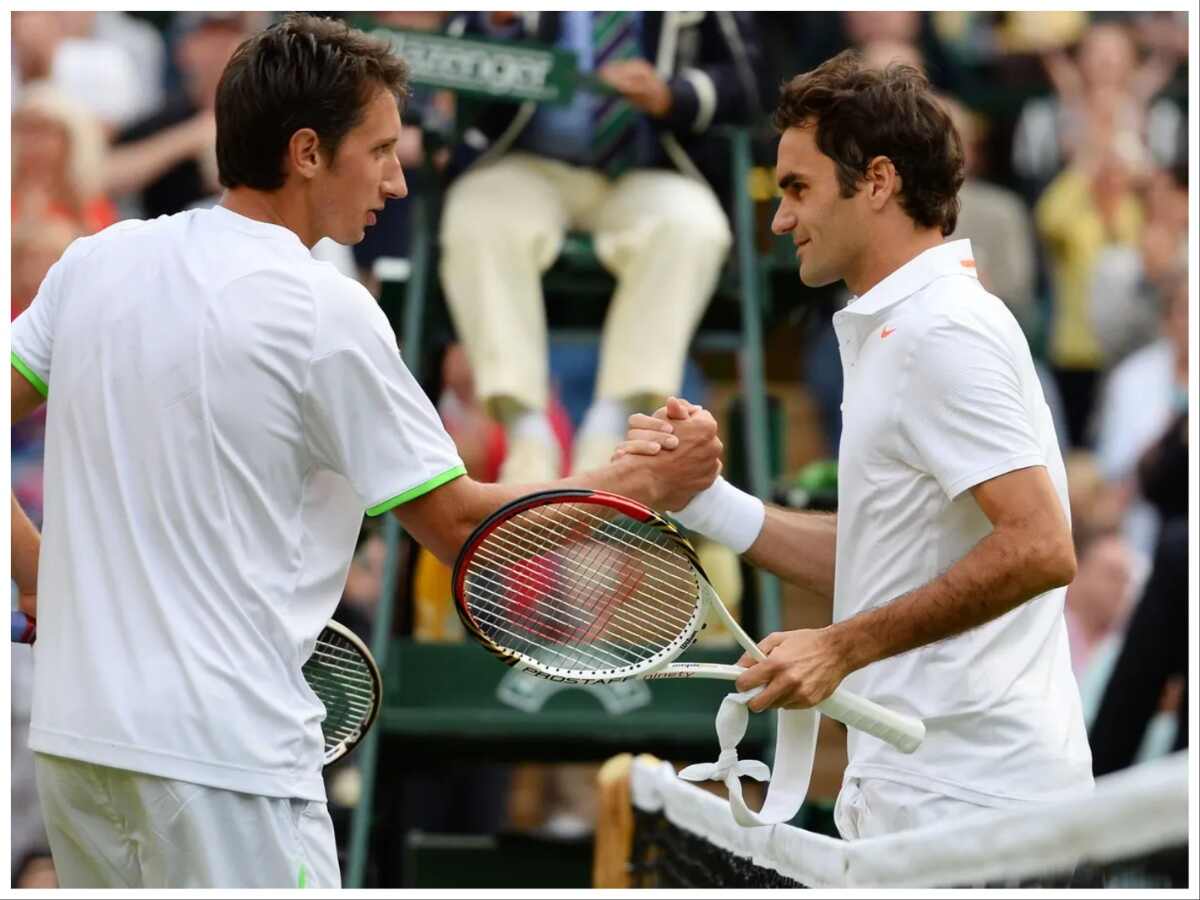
point(872, 807)
point(110, 828)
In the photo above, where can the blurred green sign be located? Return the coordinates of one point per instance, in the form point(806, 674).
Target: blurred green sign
point(497, 70)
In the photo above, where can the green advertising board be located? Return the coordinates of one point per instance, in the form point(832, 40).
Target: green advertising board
point(488, 69)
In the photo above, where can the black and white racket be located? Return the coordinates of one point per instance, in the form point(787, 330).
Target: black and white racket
point(344, 676)
point(587, 587)
point(340, 671)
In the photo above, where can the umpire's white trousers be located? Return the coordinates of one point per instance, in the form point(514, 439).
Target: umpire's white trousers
point(111, 828)
point(662, 235)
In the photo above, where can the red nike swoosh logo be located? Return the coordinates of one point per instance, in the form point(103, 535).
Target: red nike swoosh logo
point(887, 332)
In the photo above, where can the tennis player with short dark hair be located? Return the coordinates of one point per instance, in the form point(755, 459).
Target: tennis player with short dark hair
point(222, 409)
point(951, 547)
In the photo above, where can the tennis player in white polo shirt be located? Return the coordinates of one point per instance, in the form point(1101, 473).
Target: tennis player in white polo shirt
point(948, 555)
point(221, 411)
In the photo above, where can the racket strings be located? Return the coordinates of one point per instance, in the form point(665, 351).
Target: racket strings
point(657, 553)
point(656, 556)
point(581, 591)
point(547, 578)
point(603, 652)
point(549, 627)
point(345, 684)
point(597, 597)
point(668, 582)
point(646, 538)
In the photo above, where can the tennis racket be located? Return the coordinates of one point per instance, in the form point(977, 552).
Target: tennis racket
point(340, 671)
point(586, 587)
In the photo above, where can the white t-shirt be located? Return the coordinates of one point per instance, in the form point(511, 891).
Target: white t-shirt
point(940, 395)
point(222, 408)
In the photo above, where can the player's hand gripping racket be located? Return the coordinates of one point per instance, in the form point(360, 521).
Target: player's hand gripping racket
point(588, 587)
point(341, 672)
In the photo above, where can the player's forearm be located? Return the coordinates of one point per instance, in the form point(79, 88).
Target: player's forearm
point(1000, 573)
point(799, 547)
point(26, 545)
point(443, 520)
point(627, 477)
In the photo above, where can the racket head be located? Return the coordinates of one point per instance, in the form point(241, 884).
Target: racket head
point(580, 586)
point(344, 676)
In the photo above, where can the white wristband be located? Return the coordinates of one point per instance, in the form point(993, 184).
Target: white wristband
point(724, 514)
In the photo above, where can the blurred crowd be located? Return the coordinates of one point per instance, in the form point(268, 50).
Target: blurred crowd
point(1076, 202)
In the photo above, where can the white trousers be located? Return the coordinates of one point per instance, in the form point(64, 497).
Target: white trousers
point(662, 235)
point(872, 807)
point(111, 828)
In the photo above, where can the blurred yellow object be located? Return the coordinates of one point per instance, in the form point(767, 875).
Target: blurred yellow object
point(1034, 31)
point(952, 25)
point(761, 184)
point(434, 618)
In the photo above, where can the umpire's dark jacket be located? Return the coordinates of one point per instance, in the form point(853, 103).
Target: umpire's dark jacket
point(710, 60)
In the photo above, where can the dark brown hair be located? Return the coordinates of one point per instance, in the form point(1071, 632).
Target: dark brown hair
point(861, 112)
point(302, 72)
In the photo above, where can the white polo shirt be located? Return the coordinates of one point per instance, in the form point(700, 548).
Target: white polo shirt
point(222, 409)
point(940, 395)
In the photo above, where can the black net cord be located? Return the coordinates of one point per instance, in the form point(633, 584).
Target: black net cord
point(665, 856)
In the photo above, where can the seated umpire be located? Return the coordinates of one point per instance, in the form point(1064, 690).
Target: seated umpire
point(627, 165)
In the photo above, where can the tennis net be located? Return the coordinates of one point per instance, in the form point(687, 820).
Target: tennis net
point(1132, 832)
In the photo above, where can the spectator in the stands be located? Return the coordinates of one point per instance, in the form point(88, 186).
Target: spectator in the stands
point(57, 159)
point(1105, 81)
point(1096, 504)
point(1100, 597)
point(36, 246)
point(624, 164)
point(799, 41)
point(1127, 292)
point(1150, 673)
point(98, 73)
point(1091, 205)
point(145, 45)
point(903, 29)
point(167, 161)
point(998, 224)
point(1141, 395)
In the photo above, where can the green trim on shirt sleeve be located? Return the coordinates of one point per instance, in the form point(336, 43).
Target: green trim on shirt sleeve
point(30, 375)
point(413, 493)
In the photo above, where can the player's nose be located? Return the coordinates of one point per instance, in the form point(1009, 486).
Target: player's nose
point(396, 187)
point(783, 221)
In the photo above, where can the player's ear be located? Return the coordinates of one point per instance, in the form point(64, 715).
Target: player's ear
point(881, 182)
point(304, 153)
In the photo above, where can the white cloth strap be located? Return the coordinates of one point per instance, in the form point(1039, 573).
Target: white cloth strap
point(795, 750)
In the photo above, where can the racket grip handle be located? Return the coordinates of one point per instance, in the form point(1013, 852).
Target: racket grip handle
point(24, 629)
point(905, 733)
